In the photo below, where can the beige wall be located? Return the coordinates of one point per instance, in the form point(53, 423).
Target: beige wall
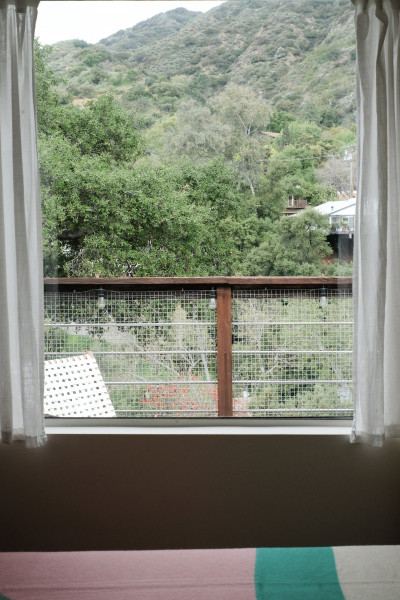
point(134, 492)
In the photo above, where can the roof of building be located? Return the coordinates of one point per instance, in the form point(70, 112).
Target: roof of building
point(338, 207)
point(348, 211)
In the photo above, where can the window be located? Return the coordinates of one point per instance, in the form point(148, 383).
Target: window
point(173, 148)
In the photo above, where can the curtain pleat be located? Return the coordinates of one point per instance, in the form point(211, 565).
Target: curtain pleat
point(376, 280)
point(21, 274)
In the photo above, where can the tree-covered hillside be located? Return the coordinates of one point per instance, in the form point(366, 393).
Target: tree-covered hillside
point(172, 147)
point(298, 54)
point(152, 30)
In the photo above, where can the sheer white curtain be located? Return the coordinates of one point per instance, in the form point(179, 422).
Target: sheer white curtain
point(377, 238)
point(21, 277)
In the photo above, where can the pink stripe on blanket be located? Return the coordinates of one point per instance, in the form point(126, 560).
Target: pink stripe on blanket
point(138, 575)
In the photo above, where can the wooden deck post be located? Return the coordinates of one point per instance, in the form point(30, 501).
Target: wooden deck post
point(224, 351)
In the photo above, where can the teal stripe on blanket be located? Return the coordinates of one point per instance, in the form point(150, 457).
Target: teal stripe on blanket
point(296, 574)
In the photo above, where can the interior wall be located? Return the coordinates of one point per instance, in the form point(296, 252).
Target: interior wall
point(192, 491)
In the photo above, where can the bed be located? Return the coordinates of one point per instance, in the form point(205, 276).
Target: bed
point(353, 573)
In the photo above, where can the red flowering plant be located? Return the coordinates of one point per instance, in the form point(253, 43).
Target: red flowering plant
point(191, 397)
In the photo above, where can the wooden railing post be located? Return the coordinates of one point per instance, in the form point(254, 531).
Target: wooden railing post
point(224, 351)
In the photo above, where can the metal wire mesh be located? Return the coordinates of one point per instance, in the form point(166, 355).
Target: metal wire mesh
point(292, 352)
point(155, 350)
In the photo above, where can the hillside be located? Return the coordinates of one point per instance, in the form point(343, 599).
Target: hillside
point(152, 30)
point(300, 56)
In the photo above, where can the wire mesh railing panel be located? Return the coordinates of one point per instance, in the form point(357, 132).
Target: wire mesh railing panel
point(292, 353)
point(156, 350)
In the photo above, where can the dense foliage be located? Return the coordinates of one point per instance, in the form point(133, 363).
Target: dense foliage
point(183, 160)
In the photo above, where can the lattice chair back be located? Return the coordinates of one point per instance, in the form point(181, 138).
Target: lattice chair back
point(74, 387)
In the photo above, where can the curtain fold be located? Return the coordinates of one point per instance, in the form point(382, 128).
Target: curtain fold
point(21, 274)
point(376, 280)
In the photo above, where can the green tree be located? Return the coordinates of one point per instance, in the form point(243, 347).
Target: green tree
point(197, 133)
point(47, 97)
point(102, 217)
point(300, 134)
point(295, 246)
point(109, 210)
point(247, 115)
point(230, 126)
point(102, 127)
point(292, 168)
point(290, 172)
point(279, 119)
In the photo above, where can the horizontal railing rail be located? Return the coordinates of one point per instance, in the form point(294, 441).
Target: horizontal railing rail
point(162, 283)
point(271, 346)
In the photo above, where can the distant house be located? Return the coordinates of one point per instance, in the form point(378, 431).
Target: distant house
point(341, 215)
point(295, 205)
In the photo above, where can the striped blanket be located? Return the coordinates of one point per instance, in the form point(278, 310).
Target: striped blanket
point(351, 573)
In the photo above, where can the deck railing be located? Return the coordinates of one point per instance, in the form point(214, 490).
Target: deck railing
point(207, 347)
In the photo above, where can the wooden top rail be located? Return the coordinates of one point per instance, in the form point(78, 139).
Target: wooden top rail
point(166, 283)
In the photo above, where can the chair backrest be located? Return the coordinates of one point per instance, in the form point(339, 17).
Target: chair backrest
point(74, 387)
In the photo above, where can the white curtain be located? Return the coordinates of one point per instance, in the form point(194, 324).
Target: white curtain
point(376, 281)
point(21, 277)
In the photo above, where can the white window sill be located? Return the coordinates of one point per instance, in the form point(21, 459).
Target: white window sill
point(196, 427)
